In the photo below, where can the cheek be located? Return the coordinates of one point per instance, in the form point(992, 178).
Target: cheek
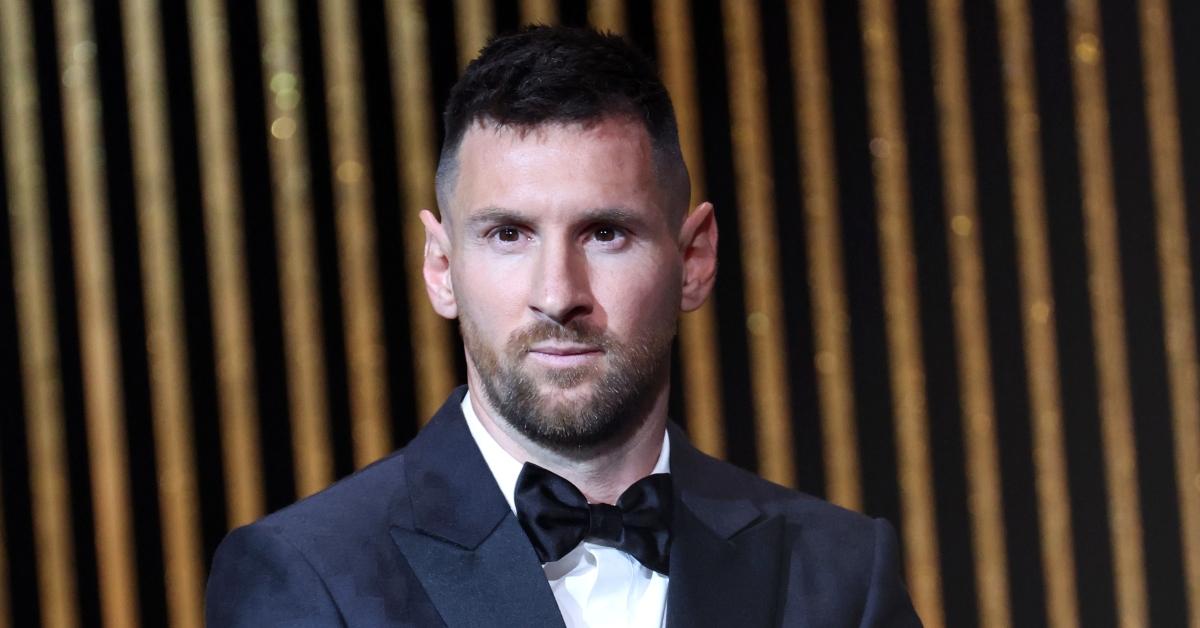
point(640, 301)
point(489, 293)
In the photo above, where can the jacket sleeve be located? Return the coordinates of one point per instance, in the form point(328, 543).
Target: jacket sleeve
point(260, 580)
point(888, 603)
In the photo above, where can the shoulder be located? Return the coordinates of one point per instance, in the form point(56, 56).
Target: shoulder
point(357, 504)
point(816, 530)
point(842, 562)
point(353, 518)
point(292, 566)
point(724, 482)
point(329, 530)
point(377, 496)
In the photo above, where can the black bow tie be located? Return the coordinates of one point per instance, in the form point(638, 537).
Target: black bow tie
point(557, 517)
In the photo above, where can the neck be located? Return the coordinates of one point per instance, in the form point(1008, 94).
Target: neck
point(601, 473)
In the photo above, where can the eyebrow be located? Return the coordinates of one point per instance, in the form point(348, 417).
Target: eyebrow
point(493, 215)
point(502, 215)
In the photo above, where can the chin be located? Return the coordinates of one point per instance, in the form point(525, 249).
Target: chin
point(569, 381)
point(563, 400)
point(566, 401)
point(563, 430)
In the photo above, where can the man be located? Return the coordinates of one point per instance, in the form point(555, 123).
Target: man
point(552, 490)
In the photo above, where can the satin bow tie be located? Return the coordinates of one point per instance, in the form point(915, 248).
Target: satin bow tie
point(557, 517)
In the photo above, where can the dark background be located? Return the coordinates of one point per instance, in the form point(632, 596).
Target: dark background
point(1141, 282)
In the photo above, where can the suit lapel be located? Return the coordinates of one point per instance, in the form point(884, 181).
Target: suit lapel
point(497, 583)
point(461, 538)
point(478, 568)
point(726, 554)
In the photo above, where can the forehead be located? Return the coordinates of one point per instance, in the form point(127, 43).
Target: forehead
point(560, 165)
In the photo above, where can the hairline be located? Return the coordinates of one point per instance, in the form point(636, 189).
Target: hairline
point(667, 159)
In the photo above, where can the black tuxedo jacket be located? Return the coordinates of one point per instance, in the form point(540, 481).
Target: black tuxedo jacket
point(425, 538)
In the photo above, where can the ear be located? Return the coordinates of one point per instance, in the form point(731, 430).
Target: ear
point(698, 243)
point(436, 268)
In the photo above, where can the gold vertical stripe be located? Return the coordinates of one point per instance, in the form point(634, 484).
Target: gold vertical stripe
point(290, 174)
point(1104, 283)
point(984, 495)
point(831, 335)
point(698, 329)
point(900, 306)
point(433, 366)
point(103, 401)
point(35, 308)
point(539, 12)
point(1162, 118)
point(166, 345)
point(1037, 307)
point(355, 214)
point(474, 21)
point(227, 262)
point(760, 256)
point(607, 15)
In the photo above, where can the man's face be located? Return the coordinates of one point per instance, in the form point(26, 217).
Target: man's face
point(566, 272)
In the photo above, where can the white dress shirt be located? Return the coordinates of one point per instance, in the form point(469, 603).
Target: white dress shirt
point(594, 585)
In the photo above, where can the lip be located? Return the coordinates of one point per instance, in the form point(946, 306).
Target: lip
point(564, 350)
point(564, 355)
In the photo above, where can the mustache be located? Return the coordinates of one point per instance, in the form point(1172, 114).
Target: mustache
point(576, 332)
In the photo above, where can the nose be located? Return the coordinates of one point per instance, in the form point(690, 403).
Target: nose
point(561, 290)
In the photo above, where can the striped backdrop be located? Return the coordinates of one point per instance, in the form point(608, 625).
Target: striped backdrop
point(958, 283)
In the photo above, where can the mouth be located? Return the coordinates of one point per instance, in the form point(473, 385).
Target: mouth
point(564, 355)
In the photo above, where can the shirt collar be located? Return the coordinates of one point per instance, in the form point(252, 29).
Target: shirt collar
point(505, 468)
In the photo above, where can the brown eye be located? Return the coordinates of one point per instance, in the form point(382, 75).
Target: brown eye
point(605, 234)
point(508, 234)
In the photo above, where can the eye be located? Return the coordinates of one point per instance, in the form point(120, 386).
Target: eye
point(507, 234)
point(605, 234)
point(608, 235)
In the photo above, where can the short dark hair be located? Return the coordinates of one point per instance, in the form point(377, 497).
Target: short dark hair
point(553, 74)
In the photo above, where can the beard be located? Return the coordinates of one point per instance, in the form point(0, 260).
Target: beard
point(624, 383)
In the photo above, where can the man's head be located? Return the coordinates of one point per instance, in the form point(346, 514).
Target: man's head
point(563, 248)
point(552, 75)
